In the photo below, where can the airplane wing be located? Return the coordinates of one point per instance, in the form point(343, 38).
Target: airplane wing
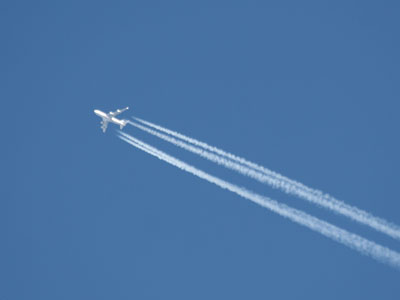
point(104, 125)
point(117, 112)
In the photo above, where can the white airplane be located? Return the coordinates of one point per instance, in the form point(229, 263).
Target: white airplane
point(111, 117)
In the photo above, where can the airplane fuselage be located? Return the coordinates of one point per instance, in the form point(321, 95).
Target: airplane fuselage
point(110, 118)
point(114, 120)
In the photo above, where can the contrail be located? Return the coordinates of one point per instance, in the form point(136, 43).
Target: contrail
point(273, 179)
point(214, 157)
point(351, 240)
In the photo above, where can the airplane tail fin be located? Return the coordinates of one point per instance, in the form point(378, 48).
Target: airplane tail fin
point(124, 122)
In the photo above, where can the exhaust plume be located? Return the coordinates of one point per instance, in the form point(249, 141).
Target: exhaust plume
point(353, 241)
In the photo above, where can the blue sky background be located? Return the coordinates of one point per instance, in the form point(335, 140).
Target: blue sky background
point(309, 89)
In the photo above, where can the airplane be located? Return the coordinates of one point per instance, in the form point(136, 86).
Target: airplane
point(111, 117)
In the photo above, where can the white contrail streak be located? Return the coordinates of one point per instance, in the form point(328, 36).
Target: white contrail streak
point(356, 242)
point(273, 179)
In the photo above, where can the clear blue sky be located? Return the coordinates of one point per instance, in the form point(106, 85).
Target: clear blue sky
point(309, 89)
